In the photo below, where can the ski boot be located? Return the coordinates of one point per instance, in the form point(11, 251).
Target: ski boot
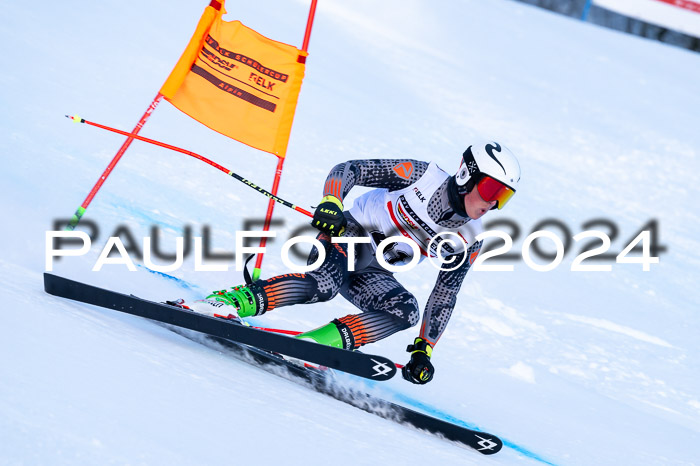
point(334, 333)
point(208, 307)
point(247, 300)
point(240, 301)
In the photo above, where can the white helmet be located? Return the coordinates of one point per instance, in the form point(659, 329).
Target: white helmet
point(481, 164)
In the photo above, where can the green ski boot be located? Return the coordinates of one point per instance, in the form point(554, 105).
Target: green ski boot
point(334, 334)
point(248, 300)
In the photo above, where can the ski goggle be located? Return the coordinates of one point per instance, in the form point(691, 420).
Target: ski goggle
point(491, 189)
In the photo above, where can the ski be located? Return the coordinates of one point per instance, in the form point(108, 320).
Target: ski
point(323, 382)
point(258, 347)
point(361, 364)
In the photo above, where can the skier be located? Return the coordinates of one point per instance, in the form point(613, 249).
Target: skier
point(415, 199)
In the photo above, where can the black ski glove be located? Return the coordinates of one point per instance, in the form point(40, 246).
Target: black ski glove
point(419, 369)
point(329, 217)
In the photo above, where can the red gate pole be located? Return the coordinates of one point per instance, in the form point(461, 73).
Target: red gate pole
point(280, 161)
point(196, 156)
point(81, 210)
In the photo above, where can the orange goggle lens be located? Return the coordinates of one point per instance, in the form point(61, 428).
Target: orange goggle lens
point(493, 190)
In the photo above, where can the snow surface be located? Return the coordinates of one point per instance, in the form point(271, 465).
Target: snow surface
point(567, 367)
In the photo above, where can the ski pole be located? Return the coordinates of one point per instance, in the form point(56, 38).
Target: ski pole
point(81, 210)
point(289, 332)
point(286, 332)
point(77, 119)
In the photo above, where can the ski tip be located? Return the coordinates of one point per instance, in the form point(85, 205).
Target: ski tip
point(488, 444)
point(383, 368)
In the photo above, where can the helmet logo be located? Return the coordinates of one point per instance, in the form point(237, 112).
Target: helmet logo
point(489, 150)
point(463, 173)
point(468, 158)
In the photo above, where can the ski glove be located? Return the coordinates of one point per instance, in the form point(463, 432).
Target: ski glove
point(329, 217)
point(419, 369)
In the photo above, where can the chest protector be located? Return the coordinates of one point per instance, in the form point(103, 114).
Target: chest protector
point(385, 213)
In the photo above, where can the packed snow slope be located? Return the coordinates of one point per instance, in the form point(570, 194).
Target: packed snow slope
point(567, 367)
